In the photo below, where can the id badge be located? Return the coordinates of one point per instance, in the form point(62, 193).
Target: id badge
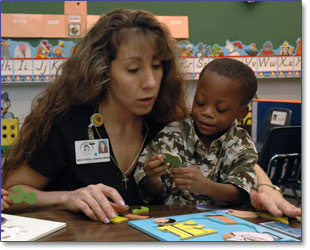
point(92, 151)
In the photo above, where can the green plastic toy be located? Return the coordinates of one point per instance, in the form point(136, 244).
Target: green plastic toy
point(141, 211)
point(21, 196)
point(174, 159)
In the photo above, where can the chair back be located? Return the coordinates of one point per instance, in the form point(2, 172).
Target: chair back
point(275, 117)
point(280, 140)
point(284, 168)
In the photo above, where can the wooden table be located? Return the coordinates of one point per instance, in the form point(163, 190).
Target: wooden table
point(80, 228)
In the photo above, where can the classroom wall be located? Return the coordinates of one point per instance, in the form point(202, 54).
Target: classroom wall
point(275, 21)
point(274, 89)
point(209, 21)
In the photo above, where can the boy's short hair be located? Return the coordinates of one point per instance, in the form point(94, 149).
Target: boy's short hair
point(235, 70)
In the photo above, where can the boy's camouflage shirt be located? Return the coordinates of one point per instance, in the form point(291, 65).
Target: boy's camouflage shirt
point(230, 159)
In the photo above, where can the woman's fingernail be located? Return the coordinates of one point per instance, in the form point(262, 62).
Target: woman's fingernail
point(112, 215)
point(106, 220)
point(122, 202)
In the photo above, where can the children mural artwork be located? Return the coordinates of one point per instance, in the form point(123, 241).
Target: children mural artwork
point(268, 61)
point(284, 61)
point(202, 50)
point(43, 50)
point(267, 49)
point(41, 61)
point(232, 49)
point(5, 53)
point(237, 48)
point(59, 51)
point(22, 51)
point(5, 105)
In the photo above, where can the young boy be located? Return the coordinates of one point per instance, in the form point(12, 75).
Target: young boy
point(217, 156)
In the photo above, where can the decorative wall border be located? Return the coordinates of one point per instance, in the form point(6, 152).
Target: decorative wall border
point(22, 62)
point(284, 61)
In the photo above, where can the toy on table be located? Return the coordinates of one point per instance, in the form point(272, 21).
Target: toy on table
point(165, 221)
point(212, 208)
point(223, 218)
point(238, 213)
point(186, 230)
point(118, 219)
point(141, 211)
point(29, 197)
point(283, 228)
point(243, 214)
point(266, 215)
point(136, 216)
point(191, 227)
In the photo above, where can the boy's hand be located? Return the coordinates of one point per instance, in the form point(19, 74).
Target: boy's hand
point(154, 168)
point(188, 178)
point(6, 201)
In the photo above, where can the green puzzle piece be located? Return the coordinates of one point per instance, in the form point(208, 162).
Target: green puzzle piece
point(29, 197)
point(141, 211)
point(173, 159)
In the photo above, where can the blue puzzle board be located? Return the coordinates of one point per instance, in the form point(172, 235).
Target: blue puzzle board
point(149, 227)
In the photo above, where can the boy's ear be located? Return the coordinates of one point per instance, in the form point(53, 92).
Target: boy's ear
point(243, 113)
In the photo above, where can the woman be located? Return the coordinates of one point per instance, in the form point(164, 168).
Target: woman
point(124, 74)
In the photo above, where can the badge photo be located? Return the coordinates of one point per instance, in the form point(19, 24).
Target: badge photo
point(92, 151)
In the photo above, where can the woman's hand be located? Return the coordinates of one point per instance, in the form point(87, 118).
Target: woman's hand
point(272, 201)
point(269, 199)
point(6, 201)
point(93, 201)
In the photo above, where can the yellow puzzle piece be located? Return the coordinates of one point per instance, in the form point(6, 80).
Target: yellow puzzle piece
point(186, 230)
point(266, 215)
point(118, 219)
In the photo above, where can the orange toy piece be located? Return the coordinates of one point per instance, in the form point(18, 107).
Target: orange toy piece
point(223, 218)
point(136, 217)
point(243, 214)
